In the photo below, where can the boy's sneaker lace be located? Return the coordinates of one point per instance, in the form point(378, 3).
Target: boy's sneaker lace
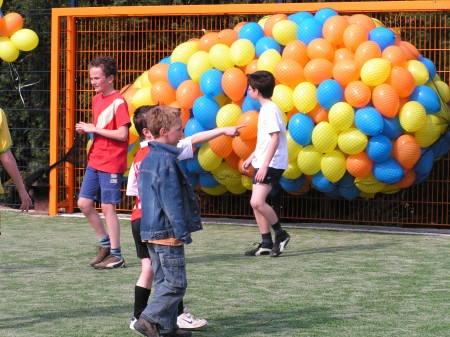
point(261, 249)
point(188, 321)
point(280, 244)
point(110, 262)
point(103, 253)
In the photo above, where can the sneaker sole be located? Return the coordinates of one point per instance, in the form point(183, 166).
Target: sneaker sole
point(111, 266)
point(264, 252)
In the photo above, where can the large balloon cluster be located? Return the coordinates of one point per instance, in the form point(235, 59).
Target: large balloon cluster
point(365, 112)
point(13, 37)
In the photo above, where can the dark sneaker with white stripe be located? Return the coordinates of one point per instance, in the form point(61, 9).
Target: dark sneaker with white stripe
point(262, 249)
point(110, 262)
point(280, 244)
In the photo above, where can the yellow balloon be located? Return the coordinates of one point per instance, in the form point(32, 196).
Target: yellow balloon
point(184, 51)
point(284, 31)
point(263, 20)
point(8, 51)
point(431, 132)
point(236, 189)
point(304, 97)
point(228, 115)
point(293, 171)
point(441, 88)
point(419, 71)
point(220, 57)
point(333, 165)
point(341, 116)
point(247, 182)
point(218, 190)
point(282, 97)
point(293, 148)
point(198, 63)
point(324, 137)
point(242, 51)
point(375, 71)
point(25, 39)
point(352, 141)
point(412, 116)
point(268, 60)
point(226, 175)
point(369, 184)
point(144, 80)
point(142, 97)
point(207, 159)
point(309, 160)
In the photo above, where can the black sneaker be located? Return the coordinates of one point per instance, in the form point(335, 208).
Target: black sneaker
point(280, 244)
point(262, 249)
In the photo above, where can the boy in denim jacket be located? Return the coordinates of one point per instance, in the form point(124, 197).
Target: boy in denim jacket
point(170, 213)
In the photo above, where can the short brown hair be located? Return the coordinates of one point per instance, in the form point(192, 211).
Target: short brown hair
point(106, 63)
point(161, 116)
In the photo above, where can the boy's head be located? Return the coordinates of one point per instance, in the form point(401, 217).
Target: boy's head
point(140, 121)
point(263, 81)
point(106, 63)
point(102, 72)
point(164, 123)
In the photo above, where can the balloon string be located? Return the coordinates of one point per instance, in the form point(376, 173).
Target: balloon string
point(16, 79)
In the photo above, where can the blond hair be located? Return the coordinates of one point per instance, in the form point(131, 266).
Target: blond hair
point(161, 116)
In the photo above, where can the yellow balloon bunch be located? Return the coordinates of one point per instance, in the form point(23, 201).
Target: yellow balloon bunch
point(14, 38)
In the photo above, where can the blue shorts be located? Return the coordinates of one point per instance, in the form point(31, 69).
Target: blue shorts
point(273, 176)
point(101, 186)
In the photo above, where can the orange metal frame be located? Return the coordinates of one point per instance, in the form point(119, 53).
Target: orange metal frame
point(64, 51)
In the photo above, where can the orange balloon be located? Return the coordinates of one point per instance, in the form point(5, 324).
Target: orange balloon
point(158, 72)
point(407, 180)
point(163, 93)
point(346, 71)
point(333, 29)
point(251, 67)
point(406, 150)
point(207, 41)
point(227, 36)
point(363, 20)
point(402, 80)
point(187, 92)
point(385, 99)
point(410, 51)
point(251, 169)
point(271, 21)
point(221, 146)
point(250, 120)
point(127, 92)
point(366, 51)
point(359, 165)
point(394, 54)
point(343, 54)
point(289, 72)
point(357, 94)
point(243, 148)
point(354, 35)
point(320, 48)
point(185, 113)
point(233, 160)
point(296, 50)
point(318, 70)
point(234, 83)
point(12, 22)
point(318, 114)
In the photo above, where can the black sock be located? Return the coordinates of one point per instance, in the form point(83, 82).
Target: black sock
point(141, 296)
point(277, 228)
point(267, 238)
point(180, 308)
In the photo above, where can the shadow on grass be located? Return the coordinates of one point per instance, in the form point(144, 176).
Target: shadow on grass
point(289, 252)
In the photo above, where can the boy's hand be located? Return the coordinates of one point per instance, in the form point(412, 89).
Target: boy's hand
point(233, 131)
point(83, 127)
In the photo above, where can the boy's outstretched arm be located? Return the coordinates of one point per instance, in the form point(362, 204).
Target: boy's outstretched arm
point(204, 136)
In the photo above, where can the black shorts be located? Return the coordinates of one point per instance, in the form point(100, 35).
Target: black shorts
point(141, 247)
point(273, 176)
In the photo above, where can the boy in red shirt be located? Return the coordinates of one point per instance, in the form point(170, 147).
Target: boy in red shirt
point(107, 161)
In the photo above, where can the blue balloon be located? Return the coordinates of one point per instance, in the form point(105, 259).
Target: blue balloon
point(321, 183)
point(379, 148)
point(388, 171)
point(382, 36)
point(207, 180)
point(300, 128)
point(369, 121)
point(193, 165)
point(427, 97)
point(192, 179)
point(300, 16)
point(425, 163)
point(192, 127)
point(324, 14)
point(177, 74)
point(205, 111)
point(251, 31)
point(249, 104)
point(266, 43)
point(166, 60)
point(392, 127)
point(292, 185)
point(308, 30)
point(430, 67)
point(329, 92)
point(442, 146)
point(211, 83)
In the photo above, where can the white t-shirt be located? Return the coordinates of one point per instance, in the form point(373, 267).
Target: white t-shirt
point(187, 152)
point(270, 120)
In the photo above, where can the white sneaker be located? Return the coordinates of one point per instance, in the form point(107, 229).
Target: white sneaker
point(132, 321)
point(187, 321)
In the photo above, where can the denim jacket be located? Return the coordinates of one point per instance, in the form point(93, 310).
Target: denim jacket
point(169, 204)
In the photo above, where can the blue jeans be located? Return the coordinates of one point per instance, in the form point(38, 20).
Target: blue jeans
point(169, 286)
point(101, 186)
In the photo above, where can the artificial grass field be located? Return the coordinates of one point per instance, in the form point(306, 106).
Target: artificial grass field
point(326, 283)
